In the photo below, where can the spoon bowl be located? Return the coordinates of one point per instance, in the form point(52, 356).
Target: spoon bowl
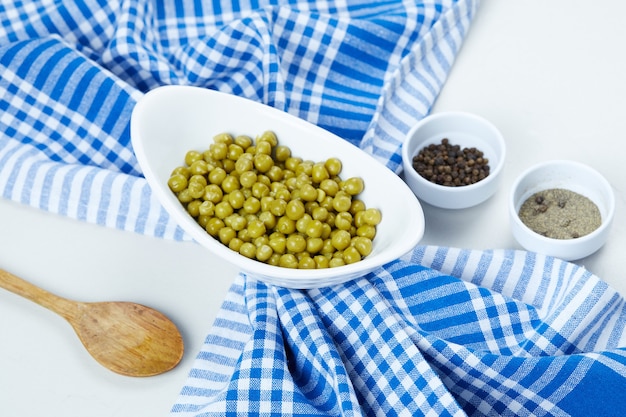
point(127, 338)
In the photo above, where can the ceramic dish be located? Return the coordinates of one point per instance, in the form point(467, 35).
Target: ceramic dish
point(169, 121)
point(466, 130)
point(569, 175)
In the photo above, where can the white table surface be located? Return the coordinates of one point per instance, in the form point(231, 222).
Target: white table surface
point(549, 75)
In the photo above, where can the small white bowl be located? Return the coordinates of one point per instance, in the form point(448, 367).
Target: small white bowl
point(169, 121)
point(569, 175)
point(466, 130)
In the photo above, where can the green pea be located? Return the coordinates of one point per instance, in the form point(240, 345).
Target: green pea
point(193, 208)
point(218, 151)
point(234, 152)
point(372, 216)
point(342, 202)
point(326, 230)
point(343, 220)
point(235, 244)
point(330, 187)
point(223, 209)
point(314, 228)
point(321, 261)
point(228, 165)
point(288, 260)
point(308, 192)
point(206, 208)
point(260, 241)
point(217, 175)
point(278, 243)
point(340, 239)
point(306, 262)
point(236, 221)
point(192, 156)
point(268, 136)
point(230, 184)
point(292, 163)
point(275, 173)
point(314, 244)
point(353, 186)
point(362, 244)
point(264, 252)
point(367, 231)
point(213, 226)
point(357, 205)
point(236, 199)
point(248, 250)
point(244, 165)
point(213, 193)
point(335, 262)
point(295, 209)
point(319, 173)
point(333, 166)
point(199, 167)
point(319, 213)
point(252, 205)
point(268, 219)
point(281, 153)
point(225, 138)
point(327, 248)
point(226, 234)
point(278, 207)
point(302, 223)
point(263, 162)
point(247, 179)
point(263, 147)
point(182, 170)
point(296, 243)
point(256, 229)
point(351, 255)
point(260, 190)
point(184, 196)
point(177, 183)
point(283, 194)
point(274, 259)
point(196, 189)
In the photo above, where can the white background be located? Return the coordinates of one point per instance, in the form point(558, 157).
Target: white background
point(551, 75)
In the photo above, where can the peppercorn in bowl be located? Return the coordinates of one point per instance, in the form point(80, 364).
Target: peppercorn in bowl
point(453, 160)
point(287, 202)
point(561, 208)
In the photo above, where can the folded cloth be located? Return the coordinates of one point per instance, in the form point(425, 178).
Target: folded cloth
point(71, 72)
point(442, 331)
point(511, 333)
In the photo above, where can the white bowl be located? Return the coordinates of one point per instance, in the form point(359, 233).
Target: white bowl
point(463, 129)
point(569, 175)
point(169, 121)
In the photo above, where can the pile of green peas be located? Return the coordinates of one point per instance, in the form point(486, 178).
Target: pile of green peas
point(258, 199)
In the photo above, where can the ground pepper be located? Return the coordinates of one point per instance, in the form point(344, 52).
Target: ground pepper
point(449, 165)
point(560, 214)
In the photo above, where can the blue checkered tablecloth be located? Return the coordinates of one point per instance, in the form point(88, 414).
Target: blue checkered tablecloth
point(442, 331)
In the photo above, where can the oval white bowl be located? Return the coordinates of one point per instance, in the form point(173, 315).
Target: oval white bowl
point(463, 129)
point(169, 121)
point(569, 175)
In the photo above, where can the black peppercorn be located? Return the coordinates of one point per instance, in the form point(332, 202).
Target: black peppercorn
point(449, 165)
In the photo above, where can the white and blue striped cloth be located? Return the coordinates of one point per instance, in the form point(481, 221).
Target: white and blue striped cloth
point(440, 332)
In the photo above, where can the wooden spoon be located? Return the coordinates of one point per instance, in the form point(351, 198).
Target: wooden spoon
point(127, 338)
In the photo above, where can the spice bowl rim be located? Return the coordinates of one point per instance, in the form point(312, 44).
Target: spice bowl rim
point(170, 120)
point(574, 176)
point(469, 130)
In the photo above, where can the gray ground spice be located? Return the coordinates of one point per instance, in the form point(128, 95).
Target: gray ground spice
point(560, 214)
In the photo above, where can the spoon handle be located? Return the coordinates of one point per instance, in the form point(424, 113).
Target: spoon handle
point(65, 308)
